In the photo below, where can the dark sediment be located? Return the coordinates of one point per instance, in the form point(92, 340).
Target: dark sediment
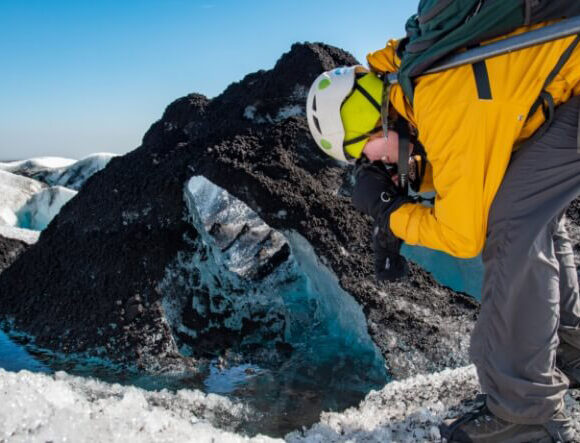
point(92, 280)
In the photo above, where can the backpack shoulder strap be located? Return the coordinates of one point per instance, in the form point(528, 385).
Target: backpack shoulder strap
point(545, 99)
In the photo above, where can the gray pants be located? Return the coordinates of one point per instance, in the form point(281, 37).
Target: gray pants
point(530, 295)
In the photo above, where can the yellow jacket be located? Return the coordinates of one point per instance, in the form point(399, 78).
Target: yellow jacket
point(469, 140)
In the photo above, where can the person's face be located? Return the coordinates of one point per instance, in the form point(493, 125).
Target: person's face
point(384, 149)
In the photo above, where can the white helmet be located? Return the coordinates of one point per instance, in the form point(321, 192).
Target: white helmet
point(323, 109)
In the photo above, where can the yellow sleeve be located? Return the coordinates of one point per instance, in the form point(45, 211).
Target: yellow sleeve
point(468, 146)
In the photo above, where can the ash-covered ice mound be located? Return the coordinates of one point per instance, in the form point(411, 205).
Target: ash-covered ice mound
point(102, 280)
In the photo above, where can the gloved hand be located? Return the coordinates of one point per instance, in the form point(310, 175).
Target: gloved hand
point(390, 265)
point(376, 194)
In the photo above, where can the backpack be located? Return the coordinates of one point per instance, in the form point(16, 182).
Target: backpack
point(442, 26)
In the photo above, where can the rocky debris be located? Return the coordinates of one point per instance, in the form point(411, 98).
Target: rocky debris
point(10, 250)
point(128, 224)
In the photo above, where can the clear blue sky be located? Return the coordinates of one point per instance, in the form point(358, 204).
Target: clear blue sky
point(86, 76)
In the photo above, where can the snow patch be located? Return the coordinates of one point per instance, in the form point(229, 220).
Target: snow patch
point(37, 163)
point(60, 407)
point(290, 111)
point(25, 235)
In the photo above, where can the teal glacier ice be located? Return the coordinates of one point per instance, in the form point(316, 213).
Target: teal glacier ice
point(461, 275)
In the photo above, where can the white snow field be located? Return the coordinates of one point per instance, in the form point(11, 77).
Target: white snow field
point(60, 407)
point(56, 171)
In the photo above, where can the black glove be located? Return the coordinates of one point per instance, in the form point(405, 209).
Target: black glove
point(376, 194)
point(390, 265)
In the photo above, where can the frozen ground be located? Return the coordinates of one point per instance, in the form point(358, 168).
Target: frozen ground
point(60, 407)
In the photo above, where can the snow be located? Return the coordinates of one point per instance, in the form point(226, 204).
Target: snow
point(290, 111)
point(55, 171)
point(37, 162)
point(60, 407)
point(25, 235)
point(251, 113)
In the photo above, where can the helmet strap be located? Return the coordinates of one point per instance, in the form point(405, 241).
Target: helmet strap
point(369, 97)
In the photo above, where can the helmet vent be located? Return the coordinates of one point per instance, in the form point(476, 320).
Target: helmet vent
point(317, 124)
point(314, 104)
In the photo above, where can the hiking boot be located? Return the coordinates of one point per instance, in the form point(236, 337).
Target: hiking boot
point(482, 426)
point(568, 361)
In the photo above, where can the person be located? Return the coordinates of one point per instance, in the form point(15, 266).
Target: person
point(503, 174)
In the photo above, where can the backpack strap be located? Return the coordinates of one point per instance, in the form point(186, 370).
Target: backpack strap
point(545, 99)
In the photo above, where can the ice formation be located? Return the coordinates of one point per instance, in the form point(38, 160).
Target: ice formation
point(26, 202)
point(244, 278)
point(55, 171)
point(43, 206)
point(15, 191)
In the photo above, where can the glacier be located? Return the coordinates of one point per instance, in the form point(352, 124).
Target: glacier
point(56, 171)
point(33, 191)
